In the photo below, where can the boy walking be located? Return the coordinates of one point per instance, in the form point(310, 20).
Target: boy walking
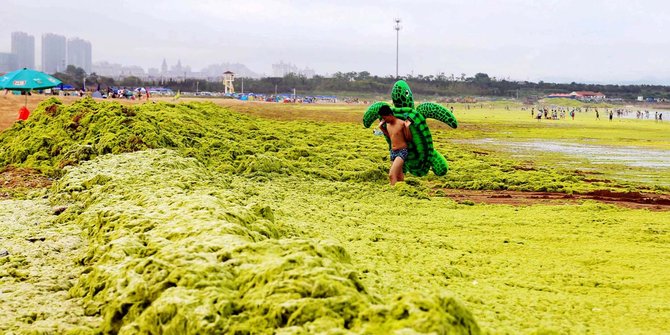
point(398, 132)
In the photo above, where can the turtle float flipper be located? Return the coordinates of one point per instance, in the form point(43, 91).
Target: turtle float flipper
point(437, 112)
point(434, 111)
point(372, 113)
point(439, 163)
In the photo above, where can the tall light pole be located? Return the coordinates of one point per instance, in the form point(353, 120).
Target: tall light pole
point(397, 28)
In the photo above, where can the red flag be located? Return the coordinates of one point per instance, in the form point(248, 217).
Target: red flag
point(24, 113)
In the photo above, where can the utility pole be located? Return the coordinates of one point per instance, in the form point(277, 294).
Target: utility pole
point(397, 28)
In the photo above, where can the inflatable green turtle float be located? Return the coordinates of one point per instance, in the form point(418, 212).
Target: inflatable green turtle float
point(422, 156)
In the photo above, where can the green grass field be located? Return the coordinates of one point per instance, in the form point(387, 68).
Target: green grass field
point(278, 218)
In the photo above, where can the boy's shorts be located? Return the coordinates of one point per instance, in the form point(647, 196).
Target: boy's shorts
point(402, 153)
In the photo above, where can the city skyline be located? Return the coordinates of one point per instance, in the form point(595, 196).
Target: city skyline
point(592, 41)
point(58, 51)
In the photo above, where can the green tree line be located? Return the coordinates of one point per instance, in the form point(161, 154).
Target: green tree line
point(481, 84)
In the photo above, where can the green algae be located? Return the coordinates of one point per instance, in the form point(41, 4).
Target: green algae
point(488, 171)
point(169, 252)
point(517, 126)
point(57, 136)
point(38, 270)
point(579, 268)
point(251, 225)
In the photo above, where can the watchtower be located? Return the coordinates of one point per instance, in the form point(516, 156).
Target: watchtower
point(228, 78)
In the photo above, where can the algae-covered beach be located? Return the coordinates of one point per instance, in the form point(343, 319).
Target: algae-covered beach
point(251, 218)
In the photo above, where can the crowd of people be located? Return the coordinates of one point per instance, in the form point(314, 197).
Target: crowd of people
point(559, 113)
point(553, 113)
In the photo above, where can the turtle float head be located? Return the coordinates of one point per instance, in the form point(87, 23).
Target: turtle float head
point(402, 95)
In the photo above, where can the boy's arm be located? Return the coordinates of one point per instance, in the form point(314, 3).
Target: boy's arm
point(408, 133)
point(382, 127)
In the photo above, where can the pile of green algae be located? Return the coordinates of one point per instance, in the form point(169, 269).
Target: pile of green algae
point(58, 135)
point(170, 246)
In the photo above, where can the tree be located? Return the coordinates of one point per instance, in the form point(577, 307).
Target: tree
point(131, 81)
point(102, 81)
point(75, 72)
point(482, 78)
point(363, 75)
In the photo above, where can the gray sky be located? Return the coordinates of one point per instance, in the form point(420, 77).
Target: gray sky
point(613, 41)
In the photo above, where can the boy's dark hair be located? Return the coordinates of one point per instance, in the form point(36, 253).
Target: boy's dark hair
point(385, 110)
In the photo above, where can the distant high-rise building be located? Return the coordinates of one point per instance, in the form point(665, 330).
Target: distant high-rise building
point(282, 69)
point(308, 73)
point(107, 69)
point(23, 47)
point(79, 54)
point(117, 70)
point(177, 68)
point(164, 68)
point(7, 62)
point(153, 72)
point(53, 53)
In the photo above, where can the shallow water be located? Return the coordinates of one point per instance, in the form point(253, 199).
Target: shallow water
point(596, 154)
point(652, 115)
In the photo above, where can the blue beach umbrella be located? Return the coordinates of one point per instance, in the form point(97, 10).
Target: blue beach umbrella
point(26, 80)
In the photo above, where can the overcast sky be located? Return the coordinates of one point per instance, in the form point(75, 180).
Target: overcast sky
point(612, 41)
